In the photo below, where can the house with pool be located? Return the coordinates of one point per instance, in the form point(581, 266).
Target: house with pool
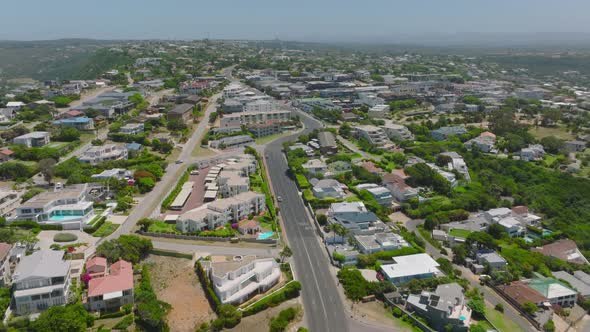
point(66, 206)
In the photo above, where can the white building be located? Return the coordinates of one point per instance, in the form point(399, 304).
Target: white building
point(406, 268)
point(368, 244)
point(231, 183)
point(378, 112)
point(40, 281)
point(374, 135)
point(315, 166)
point(33, 139)
point(236, 279)
point(244, 118)
point(132, 128)
point(327, 188)
point(98, 154)
point(397, 132)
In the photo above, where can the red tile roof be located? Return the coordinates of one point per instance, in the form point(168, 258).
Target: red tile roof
point(520, 210)
point(370, 166)
point(120, 279)
point(7, 152)
point(521, 293)
point(564, 249)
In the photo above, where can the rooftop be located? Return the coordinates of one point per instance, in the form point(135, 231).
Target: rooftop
point(42, 263)
point(411, 265)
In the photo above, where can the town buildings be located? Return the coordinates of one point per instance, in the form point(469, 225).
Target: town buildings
point(406, 268)
point(33, 139)
point(100, 153)
point(109, 289)
point(182, 113)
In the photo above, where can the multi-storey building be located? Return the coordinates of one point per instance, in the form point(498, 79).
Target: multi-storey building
point(110, 290)
point(98, 154)
point(34, 139)
point(374, 135)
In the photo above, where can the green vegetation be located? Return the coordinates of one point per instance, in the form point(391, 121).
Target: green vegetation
point(289, 291)
point(128, 247)
point(207, 286)
point(106, 229)
point(65, 237)
point(356, 287)
point(72, 317)
point(280, 323)
point(96, 224)
point(462, 233)
point(228, 316)
point(151, 312)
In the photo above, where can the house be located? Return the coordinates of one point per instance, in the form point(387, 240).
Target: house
point(494, 215)
point(371, 167)
point(574, 146)
point(378, 112)
point(15, 105)
point(444, 133)
point(579, 285)
point(328, 145)
point(374, 135)
point(512, 226)
point(182, 113)
point(397, 186)
point(33, 139)
point(6, 155)
point(236, 279)
point(532, 152)
point(132, 128)
point(112, 290)
point(67, 207)
point(327, 188)
point(397, 132)
point(231, 142)
point(247, 226)
point(368, 244)
point(457, 163)
point(114, 173)
point(98, 154)
point(71, 114)
point(133, 149)
point(491, 259)
point(555, 291)
point(96, 267)
point(406, 268)
point(449, 176)
point(315, 166)
point(5, 273)
point(564, 249)
point(41, 280)
point(354, 216)
point(521, 293)
point(446, 306)
point(485, 142)
point(381, 194)
point(222, 211)
point(108, 104)
point(80, 123)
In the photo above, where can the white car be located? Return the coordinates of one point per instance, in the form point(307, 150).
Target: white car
point(194, 172)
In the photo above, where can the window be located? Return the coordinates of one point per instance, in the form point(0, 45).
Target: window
point(57, 280)
point(35, 297)
point(45, 296)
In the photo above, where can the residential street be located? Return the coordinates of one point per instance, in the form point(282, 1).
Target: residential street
point(490, 295)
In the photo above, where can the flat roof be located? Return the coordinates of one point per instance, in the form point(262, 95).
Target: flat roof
point(410, 265)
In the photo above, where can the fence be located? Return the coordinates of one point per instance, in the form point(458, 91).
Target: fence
point(204, 238)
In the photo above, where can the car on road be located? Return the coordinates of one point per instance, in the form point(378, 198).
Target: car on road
point(179, 161)
point(279, 199)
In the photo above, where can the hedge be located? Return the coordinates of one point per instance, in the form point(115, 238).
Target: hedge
point(207, 286)
point(96, 225)
point(170, 254)
point(170, 198)
point(291, 290)
point(32, 224)
point(115, 314)
point(302, 181)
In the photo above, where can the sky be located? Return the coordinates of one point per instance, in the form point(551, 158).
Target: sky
point(301, 20)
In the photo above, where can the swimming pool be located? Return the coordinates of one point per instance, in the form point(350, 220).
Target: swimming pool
point(462, 318)
point(265, 235)
point(62, 218)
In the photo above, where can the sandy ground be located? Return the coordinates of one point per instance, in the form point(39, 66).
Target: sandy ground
point(46, 238)
point(260, 321)
point(376, 312)
point(399, 216)
point(175, 282)
point(116, 219)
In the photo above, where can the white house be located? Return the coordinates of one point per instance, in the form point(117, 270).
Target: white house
point(406, 268)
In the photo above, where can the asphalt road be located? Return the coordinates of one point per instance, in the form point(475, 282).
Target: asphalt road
point(324, 310)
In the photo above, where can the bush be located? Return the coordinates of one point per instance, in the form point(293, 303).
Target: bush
point(357, 287)
point(33, 225)
point(151, 312)
point(64, 237)
point(291, 290)
point(113, 314)
point(96, 225)
point(397, 312)
point(499, 307)
point(131, 248)
point(228, 316)
point(280, 323)
point(124, 323)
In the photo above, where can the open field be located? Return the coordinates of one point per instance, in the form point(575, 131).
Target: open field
point(500, 321)
point(559, 132)
point(261, 320)
point(176, 283)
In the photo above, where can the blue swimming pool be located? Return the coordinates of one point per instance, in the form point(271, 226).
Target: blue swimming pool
point(62, 218)
point(265, 235)
point(462, 318)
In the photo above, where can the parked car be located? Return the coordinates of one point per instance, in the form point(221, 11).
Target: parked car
point(194, 172)
point(279, 199)
point(179, 161)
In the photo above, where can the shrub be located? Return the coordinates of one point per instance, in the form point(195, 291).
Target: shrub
point(64, 237)
point(397, 312)
point(96, 225)
point(124, 323)
point(207, 286)
point(280, 323)
point(113, 314)
point(170, 198)
point(499, 307)
point(291, 290)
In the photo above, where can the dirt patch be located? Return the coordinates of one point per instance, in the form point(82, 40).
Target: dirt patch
point(176, 283)
point(375, 312)
point(260, 321)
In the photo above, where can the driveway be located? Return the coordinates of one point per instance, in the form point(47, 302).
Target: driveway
point(46, 238)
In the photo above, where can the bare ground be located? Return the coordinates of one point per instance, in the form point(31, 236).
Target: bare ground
point(176, 283)
point(260, 321)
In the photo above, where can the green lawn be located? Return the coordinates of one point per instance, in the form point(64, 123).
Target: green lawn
point(459, 233)
point(162, 227)
point(559, 132)
point(501, 322)
point(268, 139)
point(106, 229)
point(57, 145)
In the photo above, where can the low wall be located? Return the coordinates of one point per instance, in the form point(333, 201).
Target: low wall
point(516, 306)
point(203, 238)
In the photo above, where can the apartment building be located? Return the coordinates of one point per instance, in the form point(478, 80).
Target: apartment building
point(112, 289)
point(80, 123)
point(33, 139)
point(98, 154)
point(182, 113)
point(231, 183)
point(68, 207)
point(374, 135)
point(236, 279)
point(220, 212)
point(378, 112)
point(245, 118)
point(397, 132)
point(266, 128)
point(231, 142)
point(41, 280)
point(132, 128)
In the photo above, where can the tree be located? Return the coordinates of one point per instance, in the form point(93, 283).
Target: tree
point(549, 326)
point(530, 308)
point(322, 219)
point(67, 134)
point(128, 247)
point(145, 223)
point(228, 316)
point(499, 307)
point(71, 318)
point(46, 168)
point(145, 184)
point(478, 307)
point(285, 253)
point(497, 231)
point(552, 144)
point(477, 328)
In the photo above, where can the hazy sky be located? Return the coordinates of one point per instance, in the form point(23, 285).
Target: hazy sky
point(307, 20)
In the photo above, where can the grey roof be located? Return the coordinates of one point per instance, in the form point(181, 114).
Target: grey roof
point(181, 109)
point(326, 138)
point(450, 296)
point(492, 257)
point(583, 276)
point(576, 283)
point(42, 263)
